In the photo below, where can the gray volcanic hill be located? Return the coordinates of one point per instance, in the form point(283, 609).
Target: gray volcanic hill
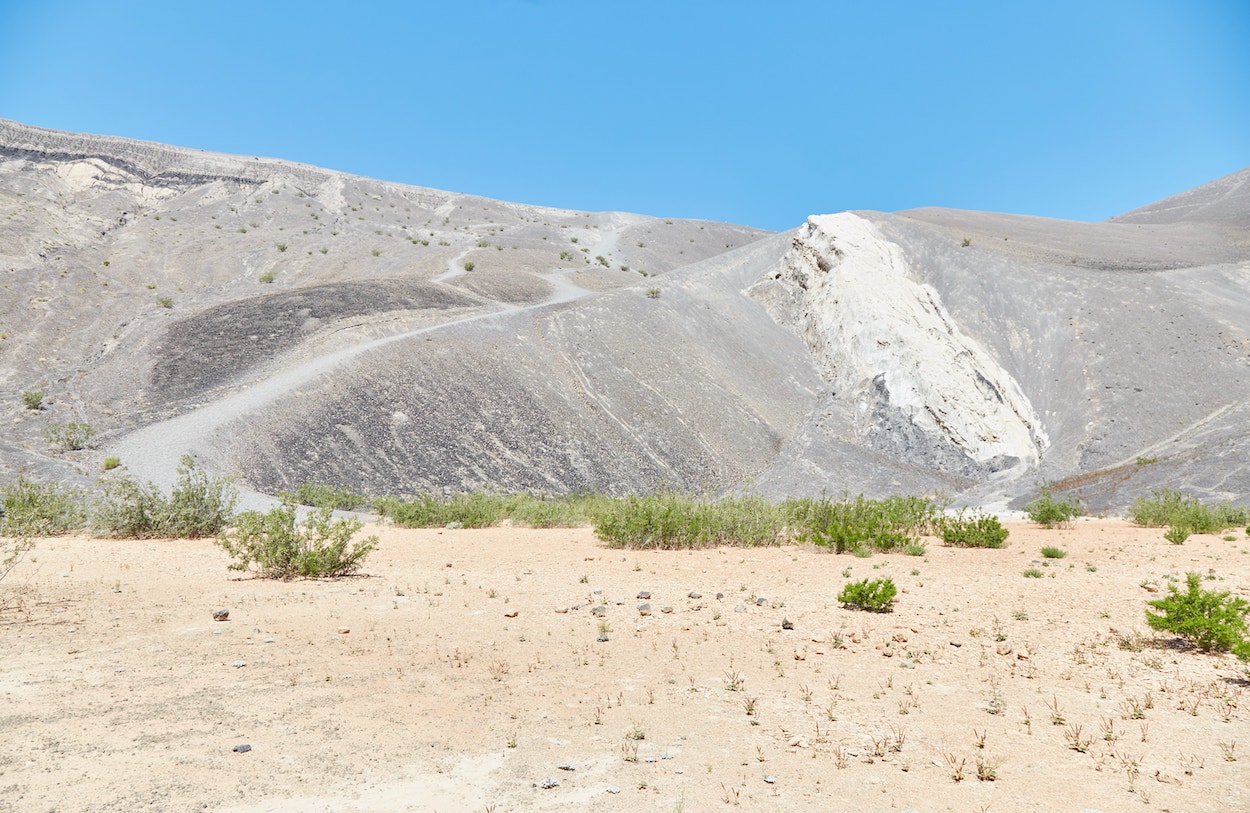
point(294, 324)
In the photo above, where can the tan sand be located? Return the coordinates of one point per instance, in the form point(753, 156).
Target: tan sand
point(464, 669)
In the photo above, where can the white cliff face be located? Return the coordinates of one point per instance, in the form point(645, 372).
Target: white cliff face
point(885, 340)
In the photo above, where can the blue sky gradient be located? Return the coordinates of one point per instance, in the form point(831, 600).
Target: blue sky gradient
point(745, 112)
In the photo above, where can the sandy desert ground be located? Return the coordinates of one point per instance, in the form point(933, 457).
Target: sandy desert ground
point(464, 672)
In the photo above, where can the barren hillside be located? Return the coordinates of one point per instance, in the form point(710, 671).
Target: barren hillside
point(290, 323)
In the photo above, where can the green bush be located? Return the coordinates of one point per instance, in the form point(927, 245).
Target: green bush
point(873, 595)
point(40, 509)
point(1168, 507)
point(111, 463)
point(1052, 552)
point(275, 546)
point(320, 495)
point(1211, 621)
point(70, 436)
point(266, 277)
point(483, 508)
point(886, 525)
point(977, 531)
point(1033, 573)
point(32, 399)
point(1177, 534)
point(197, 506)
point(1052, 513)
point(673, 521)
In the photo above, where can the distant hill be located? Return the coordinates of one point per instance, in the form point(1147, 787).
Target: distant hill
point(293, 324)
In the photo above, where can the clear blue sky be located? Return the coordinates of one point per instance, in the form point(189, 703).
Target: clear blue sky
point(750, 112)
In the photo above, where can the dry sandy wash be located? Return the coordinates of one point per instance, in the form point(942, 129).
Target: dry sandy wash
point(464, 670)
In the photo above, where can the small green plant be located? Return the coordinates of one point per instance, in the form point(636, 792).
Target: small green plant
point(1177, 534)
point(111, 463)
point(275, 546)
point(873, 595)
point(32, 399)
point(71, 436)
point(967, 241)
point(1052, 552)
point(653, 293)
point(281, 246)
point(469, 266)
point(1033, 573)
point(165, 302)
point(1211, 621)
point(265, 278)
point(977, 531)
point(1052, 513)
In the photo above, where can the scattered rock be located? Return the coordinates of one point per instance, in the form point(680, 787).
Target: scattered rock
point(760, 602)
point(772, 780)
point(720, 596)
point(613, 789)
point(562, 610)
point(512, 614)
point(239, 664)
point(549, 783)
point(644, 609)
point(344, 630)
point(695, 594)
point(453, 525)
point(602, 639)
point(787, 624)
point(221, 615)
point(242, 749)
point(741, 608)
point(956, 644)
point(1003, 649)
point(601, 610)
point(666, 610)
point(644, 594)
point(566, 766)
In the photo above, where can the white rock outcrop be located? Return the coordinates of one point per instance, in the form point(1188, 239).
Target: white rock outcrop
point(885, 340)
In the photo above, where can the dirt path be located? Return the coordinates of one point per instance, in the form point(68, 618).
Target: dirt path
point(153, 452)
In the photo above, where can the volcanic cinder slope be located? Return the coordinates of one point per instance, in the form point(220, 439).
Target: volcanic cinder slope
point(413, 340)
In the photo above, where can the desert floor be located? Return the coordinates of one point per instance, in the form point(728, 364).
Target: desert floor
point(464, 670)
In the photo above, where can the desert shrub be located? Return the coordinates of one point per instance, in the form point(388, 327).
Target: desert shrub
point(845, 525)
point(977, 531)
point(1168, 507)
point(32, 399)
point(653, 293)
point(320, 495)
point(1052, 552)
point(469, 266)
point(1052, 513)
point(671, 521)
point(69, 436)
point(275, 546)
point(1033, 573)
point(266, 277)
point(1212, 621)
point(165, 302)
point(482, 509)
point(40, 509)
point(873, 595)
point(111, 463)
point(1177, 534)
point(197, 506)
